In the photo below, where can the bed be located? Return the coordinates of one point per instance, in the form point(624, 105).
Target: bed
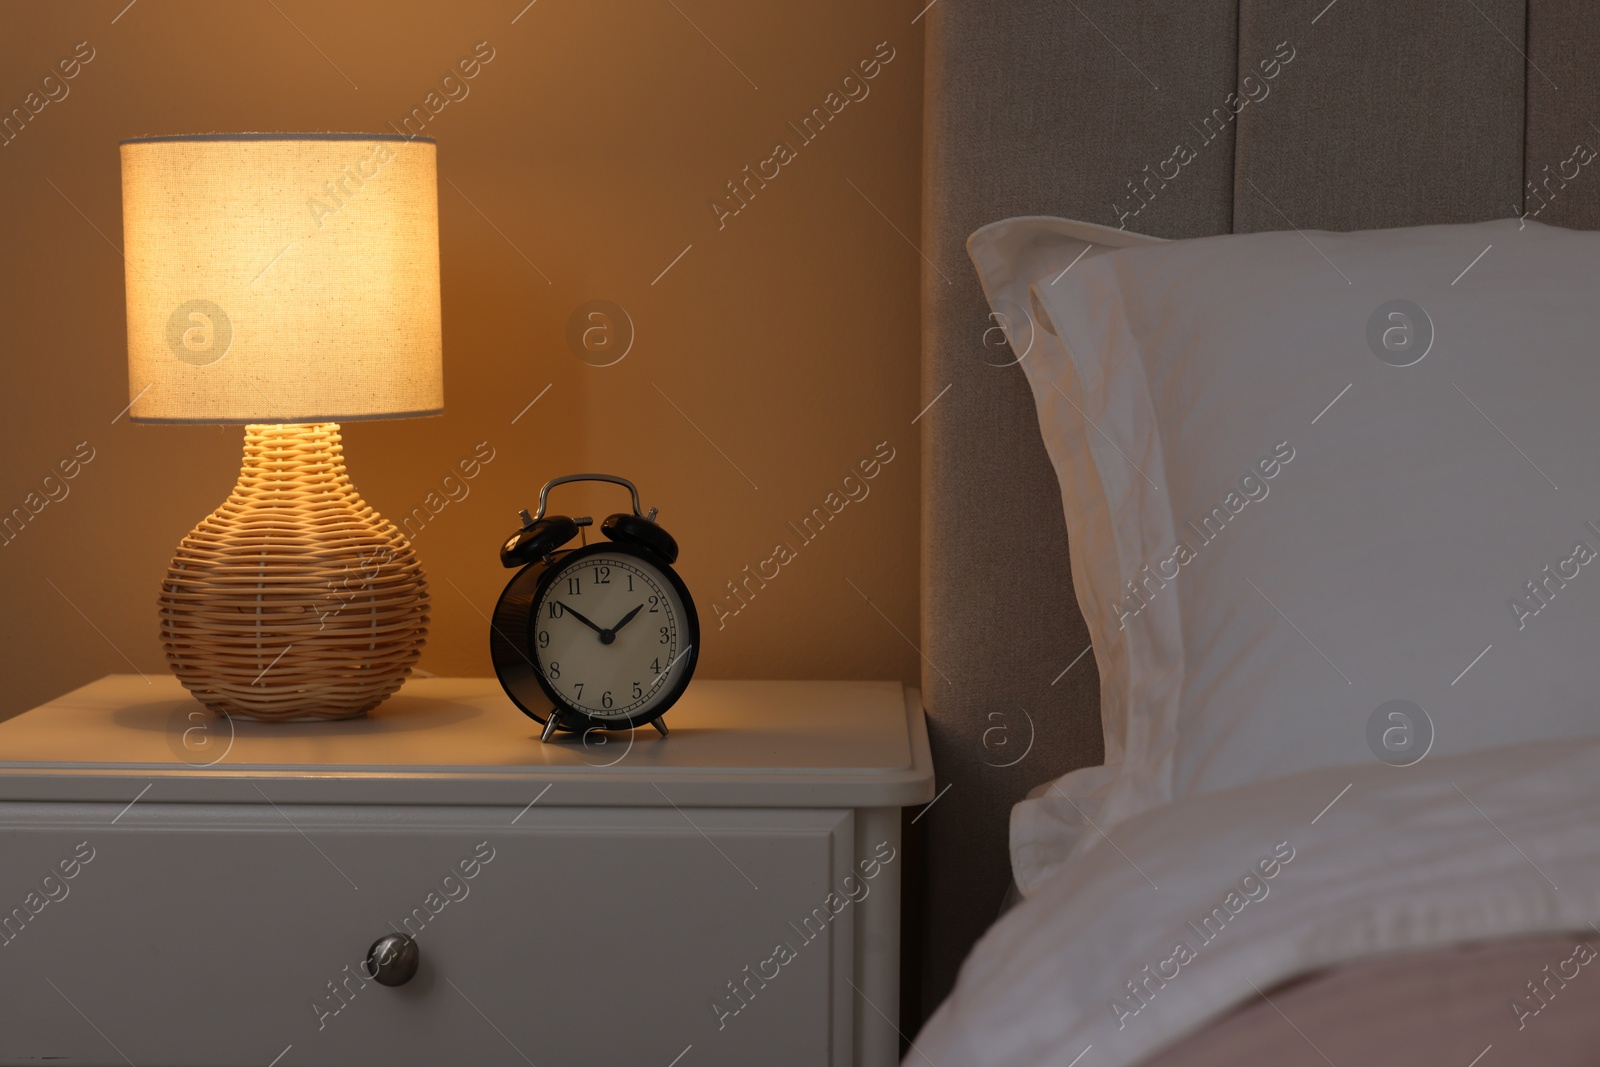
point(1386, 115)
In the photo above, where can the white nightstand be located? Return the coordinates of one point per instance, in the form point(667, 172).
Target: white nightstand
point(729, 894)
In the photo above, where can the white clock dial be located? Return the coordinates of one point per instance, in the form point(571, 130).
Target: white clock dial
point(606, 635)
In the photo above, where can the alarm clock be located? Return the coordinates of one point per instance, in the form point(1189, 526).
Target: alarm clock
point(604, 635)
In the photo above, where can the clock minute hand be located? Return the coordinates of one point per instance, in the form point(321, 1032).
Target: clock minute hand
point(627, 618)
point(570, 610)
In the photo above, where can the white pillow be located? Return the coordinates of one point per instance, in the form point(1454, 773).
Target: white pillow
point(1009, 255)
point(1365, 491)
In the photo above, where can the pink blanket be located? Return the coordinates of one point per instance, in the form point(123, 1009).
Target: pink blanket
point(1524, 1000)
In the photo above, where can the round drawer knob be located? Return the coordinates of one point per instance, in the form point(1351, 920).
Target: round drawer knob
point(392, 959)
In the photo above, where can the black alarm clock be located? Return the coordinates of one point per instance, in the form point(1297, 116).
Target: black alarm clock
point(604, 635)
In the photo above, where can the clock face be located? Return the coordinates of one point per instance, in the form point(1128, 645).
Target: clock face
point(610, 635)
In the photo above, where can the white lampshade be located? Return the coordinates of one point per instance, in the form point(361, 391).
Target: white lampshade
point(281, 278)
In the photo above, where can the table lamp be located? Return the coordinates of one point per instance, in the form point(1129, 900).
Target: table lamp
point(289, 282)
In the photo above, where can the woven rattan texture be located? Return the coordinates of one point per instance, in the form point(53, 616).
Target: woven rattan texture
point(294, 599)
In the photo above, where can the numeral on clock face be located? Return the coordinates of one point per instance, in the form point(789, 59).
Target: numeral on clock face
point(591, 644)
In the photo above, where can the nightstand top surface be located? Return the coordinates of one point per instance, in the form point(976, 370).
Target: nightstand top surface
point(461, 740)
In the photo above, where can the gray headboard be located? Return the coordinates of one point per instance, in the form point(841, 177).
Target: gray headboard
point(1390, 113)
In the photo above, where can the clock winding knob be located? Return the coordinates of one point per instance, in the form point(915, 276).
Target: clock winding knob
point(392, 960)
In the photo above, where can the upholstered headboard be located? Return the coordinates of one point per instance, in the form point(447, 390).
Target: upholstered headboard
point(1384, 113)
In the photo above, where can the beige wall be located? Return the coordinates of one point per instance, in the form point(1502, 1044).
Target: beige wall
point(592, 145)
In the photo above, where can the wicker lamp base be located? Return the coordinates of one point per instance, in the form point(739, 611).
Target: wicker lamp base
point(294, 600)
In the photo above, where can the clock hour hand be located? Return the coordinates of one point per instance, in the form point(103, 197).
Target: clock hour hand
point(570, 610)
point(627, 618)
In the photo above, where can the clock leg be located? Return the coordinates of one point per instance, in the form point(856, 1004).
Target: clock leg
point(550, 725)
point(659, 725)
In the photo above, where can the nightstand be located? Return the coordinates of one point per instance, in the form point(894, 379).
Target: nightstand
point(178, 890)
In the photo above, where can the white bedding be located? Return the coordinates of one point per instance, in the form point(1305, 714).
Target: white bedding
point(1479, 845)
point(1329, 497)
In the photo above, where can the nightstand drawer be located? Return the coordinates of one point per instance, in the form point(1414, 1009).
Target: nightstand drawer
point(225, 934)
